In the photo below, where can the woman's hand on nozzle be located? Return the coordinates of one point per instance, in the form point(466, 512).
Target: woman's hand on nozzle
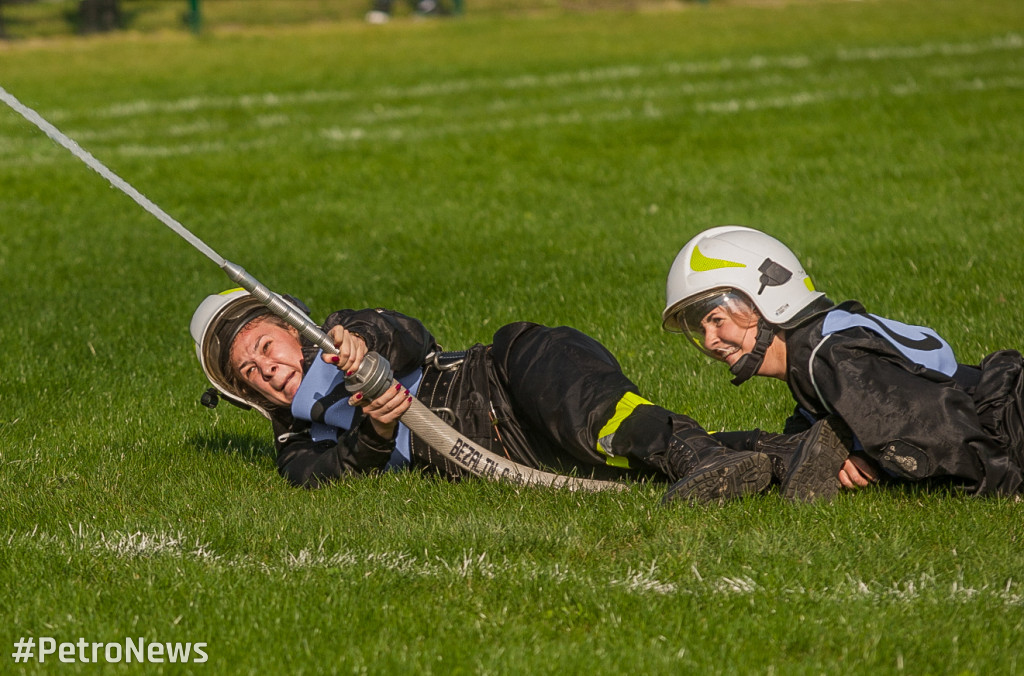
point(351, 350)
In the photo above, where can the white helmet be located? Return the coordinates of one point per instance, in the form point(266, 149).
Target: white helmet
point(736, 267)
point(736, 258)
point(215, 323)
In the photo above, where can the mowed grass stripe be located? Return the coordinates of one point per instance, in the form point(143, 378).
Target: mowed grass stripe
point(1010, 42)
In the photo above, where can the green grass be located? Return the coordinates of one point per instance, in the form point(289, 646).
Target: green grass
point(470, 173)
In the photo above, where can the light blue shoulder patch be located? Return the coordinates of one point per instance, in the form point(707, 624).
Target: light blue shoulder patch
point(323, 400)
point(919, 344)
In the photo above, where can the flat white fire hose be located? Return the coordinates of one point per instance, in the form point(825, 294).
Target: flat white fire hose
point(373, 378)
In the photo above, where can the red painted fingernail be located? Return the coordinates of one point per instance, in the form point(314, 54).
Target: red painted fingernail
point(348, 373)
point(407, 391)
point(335, 359)
point(359, 395)
point(398, 387)
point(409, 399)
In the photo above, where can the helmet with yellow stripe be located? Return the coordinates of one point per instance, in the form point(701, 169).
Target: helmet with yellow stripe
point(741, 269)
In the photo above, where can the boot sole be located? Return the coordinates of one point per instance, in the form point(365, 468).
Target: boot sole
point(815, 475)
point(746, 477)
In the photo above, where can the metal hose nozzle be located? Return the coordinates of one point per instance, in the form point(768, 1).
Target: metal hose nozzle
point(289, 313)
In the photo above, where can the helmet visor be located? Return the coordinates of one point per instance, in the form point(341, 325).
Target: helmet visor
point(692, 316)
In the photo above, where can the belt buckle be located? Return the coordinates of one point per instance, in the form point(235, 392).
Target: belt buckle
point(445, 414)
point(436, 358)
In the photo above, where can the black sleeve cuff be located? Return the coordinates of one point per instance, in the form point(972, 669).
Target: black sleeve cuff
point(369, 439)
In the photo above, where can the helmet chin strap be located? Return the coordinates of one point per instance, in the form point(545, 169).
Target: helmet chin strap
point(747, 365)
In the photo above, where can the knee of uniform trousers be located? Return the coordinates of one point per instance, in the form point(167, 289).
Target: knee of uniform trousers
point(503, 341)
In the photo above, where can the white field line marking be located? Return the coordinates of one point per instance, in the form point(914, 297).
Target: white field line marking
point(389, 114)
point(81, 539)
point(651, 111)
point(196, 103)
point(1010, 41)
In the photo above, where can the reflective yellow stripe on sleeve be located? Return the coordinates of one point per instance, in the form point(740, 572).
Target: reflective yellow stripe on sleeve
point(623, 409)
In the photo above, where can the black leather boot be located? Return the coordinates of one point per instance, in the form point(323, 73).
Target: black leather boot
point(782, 449)
point(714, 473)
point(813, 472)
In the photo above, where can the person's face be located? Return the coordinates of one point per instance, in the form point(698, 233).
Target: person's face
point(728, 334)
point(268, 358)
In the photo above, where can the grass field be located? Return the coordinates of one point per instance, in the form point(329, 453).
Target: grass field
point(472, 172)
